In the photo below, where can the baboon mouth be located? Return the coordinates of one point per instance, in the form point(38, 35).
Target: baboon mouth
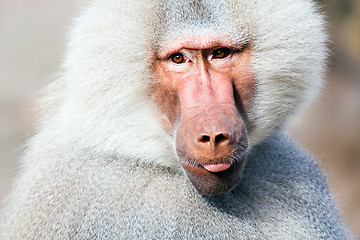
point(214, 178)
point(210, 167)
point(219, 167)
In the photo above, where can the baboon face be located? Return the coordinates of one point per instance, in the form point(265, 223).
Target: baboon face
point(204, 91)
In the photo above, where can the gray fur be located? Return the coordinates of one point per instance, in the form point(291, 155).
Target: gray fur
point(283, 195)
point(102, 167)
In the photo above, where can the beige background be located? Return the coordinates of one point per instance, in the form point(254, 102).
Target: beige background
point(32, 36)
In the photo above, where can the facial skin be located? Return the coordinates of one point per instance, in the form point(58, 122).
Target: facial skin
point(205, 90)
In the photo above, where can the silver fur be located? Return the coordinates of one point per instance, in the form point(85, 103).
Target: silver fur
point(102, 167)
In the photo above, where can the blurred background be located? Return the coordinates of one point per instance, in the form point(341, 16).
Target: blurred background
point(32, 38)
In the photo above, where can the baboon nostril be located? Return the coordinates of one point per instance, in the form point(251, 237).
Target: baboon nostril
point(204, 139)
point(222, 137)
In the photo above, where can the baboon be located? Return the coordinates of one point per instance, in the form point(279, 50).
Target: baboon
point(166, 123)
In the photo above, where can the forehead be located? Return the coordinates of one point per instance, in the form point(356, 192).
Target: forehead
point(194, 12)
point(198, 24)
point(187, 17)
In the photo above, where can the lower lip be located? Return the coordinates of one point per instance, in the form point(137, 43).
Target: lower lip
point(217, 167)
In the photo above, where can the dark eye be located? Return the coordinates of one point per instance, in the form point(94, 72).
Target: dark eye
point(177, 58)
point(221, 53)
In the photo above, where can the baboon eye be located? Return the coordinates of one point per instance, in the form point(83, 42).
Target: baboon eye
point(177, 58)
point(221, 53)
